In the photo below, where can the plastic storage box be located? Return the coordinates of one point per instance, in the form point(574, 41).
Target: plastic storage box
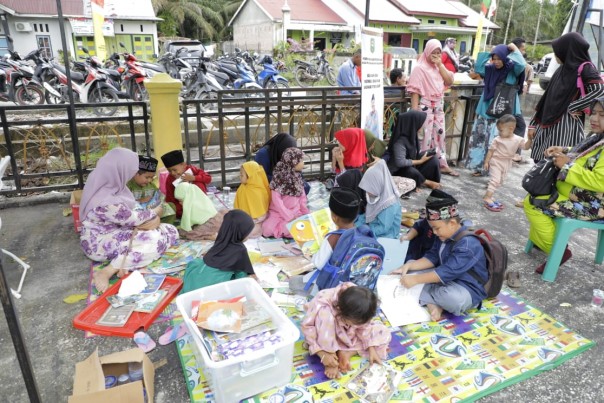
point(237, 378)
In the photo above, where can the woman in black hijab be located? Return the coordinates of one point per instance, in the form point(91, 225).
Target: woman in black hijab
point(405, 159)
point(272, 150)
point(227, 259)
point(559, 116)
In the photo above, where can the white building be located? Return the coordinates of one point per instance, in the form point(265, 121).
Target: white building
point(34, 24)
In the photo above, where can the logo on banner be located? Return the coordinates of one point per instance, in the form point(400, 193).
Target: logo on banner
point(372, 45)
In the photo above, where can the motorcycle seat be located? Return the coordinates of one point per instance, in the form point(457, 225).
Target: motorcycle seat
point(221, 75)
point(75, 76)
point(153, 67)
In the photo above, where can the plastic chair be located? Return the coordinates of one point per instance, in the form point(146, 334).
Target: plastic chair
point(25, 266)
point(564, 229)
point(4, 163)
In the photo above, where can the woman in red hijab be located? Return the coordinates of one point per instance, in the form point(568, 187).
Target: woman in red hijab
point(351, 151)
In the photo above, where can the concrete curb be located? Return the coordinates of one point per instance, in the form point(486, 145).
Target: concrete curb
point(33, 200)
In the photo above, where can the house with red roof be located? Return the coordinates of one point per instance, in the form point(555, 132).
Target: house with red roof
point(29, 24)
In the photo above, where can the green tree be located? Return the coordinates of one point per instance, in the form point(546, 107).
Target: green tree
point(563, 8)
point(200, 19)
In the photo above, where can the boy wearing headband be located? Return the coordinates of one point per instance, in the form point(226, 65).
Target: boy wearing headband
point(141, 185)
point(453, 273)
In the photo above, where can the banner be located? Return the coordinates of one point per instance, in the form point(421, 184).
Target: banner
point(98, 18)
point(372, 81)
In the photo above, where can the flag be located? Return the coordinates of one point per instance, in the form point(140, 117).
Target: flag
point(492, 9)
point(485, 6)
point(98, 18)
point(484, 11)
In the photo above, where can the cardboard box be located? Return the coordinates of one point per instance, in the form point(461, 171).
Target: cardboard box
point(89, 379)
point(76, 196)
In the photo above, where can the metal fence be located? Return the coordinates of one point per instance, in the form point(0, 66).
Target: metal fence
point(45, 156)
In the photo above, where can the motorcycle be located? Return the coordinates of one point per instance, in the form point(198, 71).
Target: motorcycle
point(466, 64)
point(269, 77)
point(247, 78)
point(23, 89)
point(91, 86)
point(134, 79)
point(308, 74)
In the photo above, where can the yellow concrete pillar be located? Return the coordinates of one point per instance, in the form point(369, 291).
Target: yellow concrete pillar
point(165, 114)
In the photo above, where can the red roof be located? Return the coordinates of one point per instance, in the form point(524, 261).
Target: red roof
point(301, 10)
point(44, 7)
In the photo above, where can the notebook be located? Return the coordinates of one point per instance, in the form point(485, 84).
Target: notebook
point(395, 253)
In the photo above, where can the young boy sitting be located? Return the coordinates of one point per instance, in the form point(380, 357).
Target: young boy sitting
point(142, 186)
point(453, 283)
point(180, 171)
point(344, 204)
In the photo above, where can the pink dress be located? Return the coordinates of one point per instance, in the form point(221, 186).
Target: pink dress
point(282, 210)
point(324, 332)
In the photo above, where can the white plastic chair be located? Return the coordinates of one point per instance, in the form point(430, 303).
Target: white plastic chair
point(25, 266)
point(4, 163)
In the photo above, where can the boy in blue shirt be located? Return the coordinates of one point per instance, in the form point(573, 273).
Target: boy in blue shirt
point(450, 285)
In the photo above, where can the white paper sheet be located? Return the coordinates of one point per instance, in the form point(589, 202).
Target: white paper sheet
point(267, 275)
point(133, 284)
point(400, 304)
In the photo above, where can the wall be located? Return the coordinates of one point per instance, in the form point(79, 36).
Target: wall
point(25, 42)
point(253, 29)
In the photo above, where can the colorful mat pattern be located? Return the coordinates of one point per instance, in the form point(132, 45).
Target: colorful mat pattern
point(458, 359)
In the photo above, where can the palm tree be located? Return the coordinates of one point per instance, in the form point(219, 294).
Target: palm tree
point(197, 18)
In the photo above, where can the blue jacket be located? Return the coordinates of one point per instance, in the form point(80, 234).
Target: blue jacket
point(453, 263)
point(347, 77)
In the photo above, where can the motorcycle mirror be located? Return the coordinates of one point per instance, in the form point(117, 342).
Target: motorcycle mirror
point(9, 38)
point(122, 45)
point(237, 50)
point(85, 50)
point(155, 55)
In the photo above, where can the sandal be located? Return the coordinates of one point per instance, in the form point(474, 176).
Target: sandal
point(172, 333)
point(513, 279)
point(144, 341)
point(450, 172)
point(477, 174)
point(492, 207)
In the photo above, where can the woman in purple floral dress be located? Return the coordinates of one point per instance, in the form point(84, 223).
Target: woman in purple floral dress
point(111, 228)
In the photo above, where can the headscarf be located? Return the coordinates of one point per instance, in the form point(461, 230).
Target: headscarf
point(451, 52)
point(228, 252)
point(493, 75)
point(572, 50)
point(405, 129)
point(355, 148)
point(350, 179)
point(277, 146)
point(254, 196)
point(378, 181)
point(197, 208)
point(286, 180)
point(374, 145)
point(425, 78)
point(107, 183)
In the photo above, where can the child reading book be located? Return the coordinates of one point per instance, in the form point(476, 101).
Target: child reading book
point(288, 200)
point(254, 194)
point(227, 259)
point(180, 171)
point(338, 325)
point(141, 185)
point(459, 268)
point(200, 220)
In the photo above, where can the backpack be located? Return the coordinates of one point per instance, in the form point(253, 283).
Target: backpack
point(497, 260)
point(580, 84)
point(540, 180)
point(357, 258)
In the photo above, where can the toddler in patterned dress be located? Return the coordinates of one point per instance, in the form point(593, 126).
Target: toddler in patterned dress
point(338, 324)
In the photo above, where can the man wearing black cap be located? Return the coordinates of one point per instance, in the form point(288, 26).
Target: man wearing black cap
point(344, 204)
point(459, 269)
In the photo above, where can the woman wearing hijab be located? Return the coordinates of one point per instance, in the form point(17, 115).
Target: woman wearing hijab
point(507, 65)
point(427, 84)
point(559, 117)
point(112, 228)
point(351, 152)
point(406, 159)
point(383, 211)
point(580, 186)
point(253, 195)
point(288, 200)
point(270, 153)
point(227, 259)
point(200, 220)
point(450, 58)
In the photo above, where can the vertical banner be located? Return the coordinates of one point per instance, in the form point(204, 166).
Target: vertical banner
point(98, 18)
point(372, 81)
point(484, 9)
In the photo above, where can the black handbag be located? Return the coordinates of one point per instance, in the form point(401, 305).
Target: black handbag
point(540, 180)
point(504, 100)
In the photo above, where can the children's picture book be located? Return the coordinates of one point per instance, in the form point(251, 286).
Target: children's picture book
point(148, 303)
point(221, 316)
point(288, 298)
point(375, 383)
point(292, 265)
point(154, 281)
point(116, 317)
point(393, 295)
point(272, 247)
point(177, 181)
point(310, 229)
point(177, 256)
point(115, 301)
point(267, 275)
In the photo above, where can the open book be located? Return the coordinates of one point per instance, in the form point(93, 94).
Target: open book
point(310, 229)
point(400, 304)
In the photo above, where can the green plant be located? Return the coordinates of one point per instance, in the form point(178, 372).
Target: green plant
point(536, 52)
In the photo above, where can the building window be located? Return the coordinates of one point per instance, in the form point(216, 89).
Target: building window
point(443, 22)
point(36, 27)
point(3, 45)
point(462, 47)
point(44, 46)
point(47, 30)
point(84, 42)
point(430, 21)
point(415, 45)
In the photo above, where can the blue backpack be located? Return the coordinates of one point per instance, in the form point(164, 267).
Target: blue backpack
point(357, 258)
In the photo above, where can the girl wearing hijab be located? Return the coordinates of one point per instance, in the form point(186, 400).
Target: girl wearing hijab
point(383, 211)
point(559, 117)
point(507, 64)
point(112, 228)
point(253, 195)
point(200, 220)
point(270, 153)
point(427, 84)
point(227, 259)
point(351, 152)
point(288, 200)
point(406, 159)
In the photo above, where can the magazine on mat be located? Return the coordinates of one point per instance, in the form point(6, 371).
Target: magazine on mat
point(375, 383)
point(310, 229)
point(177, 256)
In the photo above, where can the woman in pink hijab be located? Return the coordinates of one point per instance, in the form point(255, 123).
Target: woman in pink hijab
point(427, 84)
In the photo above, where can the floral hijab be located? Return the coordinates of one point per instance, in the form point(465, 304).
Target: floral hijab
point(286, 180)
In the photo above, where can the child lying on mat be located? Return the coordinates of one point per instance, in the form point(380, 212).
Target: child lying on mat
point(338, 325)
point(459, 269)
